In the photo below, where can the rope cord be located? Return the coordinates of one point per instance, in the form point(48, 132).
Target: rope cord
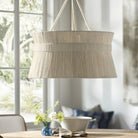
point(59, 14)
point(74, 26)
point(85, 20)
point(73, 23)
point(72, 18)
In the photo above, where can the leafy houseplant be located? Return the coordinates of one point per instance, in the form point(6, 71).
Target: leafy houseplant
point(47, 117)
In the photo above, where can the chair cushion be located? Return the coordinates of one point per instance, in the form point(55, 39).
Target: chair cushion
point(11, 123)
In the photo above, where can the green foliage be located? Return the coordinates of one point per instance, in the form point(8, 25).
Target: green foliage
point(48, 116)
point(29, 100)
point(26, 62)
point(4, 25)
point(11, 1)
point(30, 4)
point(60, 116)
point(6, 75)
point(7, 101)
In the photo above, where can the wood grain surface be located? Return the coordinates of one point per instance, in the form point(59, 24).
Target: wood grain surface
point(93, 133)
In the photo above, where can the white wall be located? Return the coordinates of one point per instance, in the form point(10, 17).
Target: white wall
point(106, 15)
point(103, 15)
point(126, 112)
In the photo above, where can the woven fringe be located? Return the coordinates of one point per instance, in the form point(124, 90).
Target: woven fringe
point(84, 54)
point(73, 37)
point(72, 65)
point(50, 47)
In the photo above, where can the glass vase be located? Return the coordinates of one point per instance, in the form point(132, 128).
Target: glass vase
point(46, 130)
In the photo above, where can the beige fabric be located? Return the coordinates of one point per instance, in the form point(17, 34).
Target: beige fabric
point(73, 37)
point(11, 123)
point(85, 54)
point(50, 47)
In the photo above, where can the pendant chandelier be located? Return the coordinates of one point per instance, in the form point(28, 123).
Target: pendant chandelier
point(72, 54)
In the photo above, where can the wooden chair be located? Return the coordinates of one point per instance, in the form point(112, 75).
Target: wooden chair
point(12, 123)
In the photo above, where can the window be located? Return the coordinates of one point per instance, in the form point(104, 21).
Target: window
point(18, 20)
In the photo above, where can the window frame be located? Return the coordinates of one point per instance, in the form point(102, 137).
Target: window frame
point(16, 68)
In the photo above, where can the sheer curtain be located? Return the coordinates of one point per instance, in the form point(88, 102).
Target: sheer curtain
point(130, 20)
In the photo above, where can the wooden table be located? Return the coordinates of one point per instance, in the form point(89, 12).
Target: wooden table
point(93, 133)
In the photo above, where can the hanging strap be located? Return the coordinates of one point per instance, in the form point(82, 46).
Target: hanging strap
point(73, 23)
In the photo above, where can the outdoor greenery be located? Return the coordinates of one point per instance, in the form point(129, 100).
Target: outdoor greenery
point(28, 25)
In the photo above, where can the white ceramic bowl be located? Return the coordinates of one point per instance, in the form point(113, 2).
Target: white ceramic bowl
point(76, 123)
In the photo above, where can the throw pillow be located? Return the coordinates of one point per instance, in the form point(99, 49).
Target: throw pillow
point(67, 111)
point(102, 118)
point(73, 112)
point(135, 124)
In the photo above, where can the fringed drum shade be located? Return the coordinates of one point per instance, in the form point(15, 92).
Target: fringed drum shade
point(74, 54)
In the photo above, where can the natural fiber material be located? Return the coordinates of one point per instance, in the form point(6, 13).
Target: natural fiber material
point(84, 54)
